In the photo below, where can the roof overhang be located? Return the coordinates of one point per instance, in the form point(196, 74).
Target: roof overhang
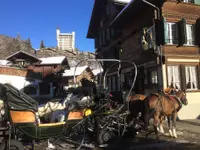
point(53, 61)
point(21, 55)
point(131, 9)
point(95, 18)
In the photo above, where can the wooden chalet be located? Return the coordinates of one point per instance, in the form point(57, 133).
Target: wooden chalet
point(42, 74)
point(80, 73)
point(22, 59)
point(161, 37)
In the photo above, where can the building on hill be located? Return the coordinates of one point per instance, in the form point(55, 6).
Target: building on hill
point(80, 73)
point(65, 41)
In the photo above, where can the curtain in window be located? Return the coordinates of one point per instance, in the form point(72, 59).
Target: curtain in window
point(190, 34)
point(170, 76)
point(194, 77)
point(191, 77)
point(174, 77)
point(171, 33)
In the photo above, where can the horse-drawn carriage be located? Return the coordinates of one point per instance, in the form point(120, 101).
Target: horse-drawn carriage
point(100, 121)
point(21, 120)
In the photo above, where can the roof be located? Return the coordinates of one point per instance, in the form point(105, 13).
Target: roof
point(97, 12)
point(52, 60)
point(4, 62)
point(70, 72)
point(23, 55)
point(131, 8)
point(95, 17)
point(122, 1)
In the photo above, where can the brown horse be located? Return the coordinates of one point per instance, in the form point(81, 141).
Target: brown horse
point(136, 97)
point(160, 105)
point(136, 104)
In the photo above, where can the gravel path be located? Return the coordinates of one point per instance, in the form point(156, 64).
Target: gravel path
point(188, 139)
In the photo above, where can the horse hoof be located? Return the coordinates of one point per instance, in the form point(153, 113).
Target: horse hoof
point(170, 133)
point(162, 132)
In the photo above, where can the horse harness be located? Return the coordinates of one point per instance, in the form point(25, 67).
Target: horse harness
point(170, 97)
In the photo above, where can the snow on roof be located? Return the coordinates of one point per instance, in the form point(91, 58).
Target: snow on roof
point(123, 10)
point(97, 71)
point(122, 1)
point(52, 60)
point(70, 72)
point(4, 62)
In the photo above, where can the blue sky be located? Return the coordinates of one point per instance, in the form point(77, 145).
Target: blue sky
point(38, 19)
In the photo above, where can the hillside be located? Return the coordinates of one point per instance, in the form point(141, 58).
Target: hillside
point(73, 58)
point(10, 45)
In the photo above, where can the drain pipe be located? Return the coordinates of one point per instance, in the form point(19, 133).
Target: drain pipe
point(154, 6)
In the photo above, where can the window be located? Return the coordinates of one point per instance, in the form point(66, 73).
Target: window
point(113, 84)
point(190, 34)
point(191, 77)
point(173, 76)
point(154, 77)
point(171, 33)
point(189, 1)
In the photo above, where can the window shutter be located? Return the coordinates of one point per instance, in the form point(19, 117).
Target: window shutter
point(197, 31)
point(183, 77)
point(198, 75)
point(182, 35)
point(160, 28)
point(197, 2)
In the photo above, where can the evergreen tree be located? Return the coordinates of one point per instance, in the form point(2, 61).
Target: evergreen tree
point(29, 42)
point(18, 36)
point(42, 44)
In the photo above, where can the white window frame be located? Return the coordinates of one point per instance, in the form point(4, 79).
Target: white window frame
point(154, 77)
point(192, 76)
point(175, 76)
point(169, 32)
point(189, 35)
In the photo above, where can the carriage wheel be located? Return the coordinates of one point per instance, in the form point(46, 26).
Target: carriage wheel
point(104, 137)
point(14, 145)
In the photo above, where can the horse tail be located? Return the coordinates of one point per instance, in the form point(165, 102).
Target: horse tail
point(146, 116)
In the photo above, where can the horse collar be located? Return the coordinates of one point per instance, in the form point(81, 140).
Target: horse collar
point(178, 99)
